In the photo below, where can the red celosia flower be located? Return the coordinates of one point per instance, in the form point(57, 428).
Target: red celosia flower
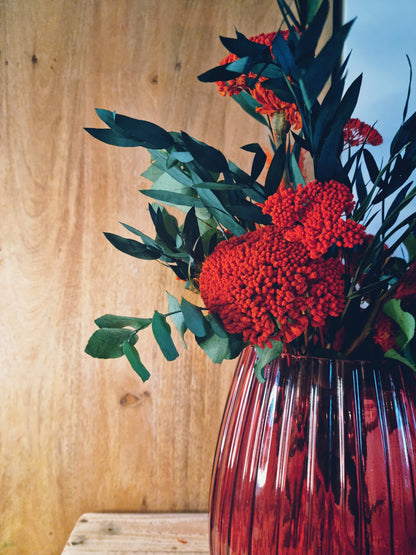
point(385, 333)
point(265, 287)
point(313, 214)
point(357, 132)
point(270, 103)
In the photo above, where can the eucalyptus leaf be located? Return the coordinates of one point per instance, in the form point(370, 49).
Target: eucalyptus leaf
point(108, 342)
point(113, 321)
point(194, 319)
point(133, 357)
point(162, 334)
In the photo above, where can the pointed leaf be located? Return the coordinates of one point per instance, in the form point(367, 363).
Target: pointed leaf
point(110, 137)
point(133, 248)
point(209, 157)
point(318, 73)
point(249, 105)
point(147, 133)
point(219, 73)
point(176, 199)
point(275, 173)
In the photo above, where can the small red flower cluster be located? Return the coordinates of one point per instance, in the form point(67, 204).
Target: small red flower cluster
point(270, 103)
point(357, 132)
point(313, 214)
point(385, 333)
point(268, 288)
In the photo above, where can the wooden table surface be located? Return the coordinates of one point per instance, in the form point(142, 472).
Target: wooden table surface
point(139, 533)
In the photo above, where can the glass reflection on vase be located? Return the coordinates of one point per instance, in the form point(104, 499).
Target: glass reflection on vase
point(321, 458)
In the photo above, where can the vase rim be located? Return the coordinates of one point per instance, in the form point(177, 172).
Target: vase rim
point(383, 362)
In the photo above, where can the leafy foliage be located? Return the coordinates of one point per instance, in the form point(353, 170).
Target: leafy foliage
point(220, 200)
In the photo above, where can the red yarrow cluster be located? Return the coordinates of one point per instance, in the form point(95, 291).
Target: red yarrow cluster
point(265, 287)
point(313, 215)
point(275, 282)
point(356, 133)
point(270, 103)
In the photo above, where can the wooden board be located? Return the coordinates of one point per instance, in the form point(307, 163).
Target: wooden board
point(80, 435)
point(129, 534)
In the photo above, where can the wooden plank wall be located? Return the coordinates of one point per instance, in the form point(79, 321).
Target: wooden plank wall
point(78, 434)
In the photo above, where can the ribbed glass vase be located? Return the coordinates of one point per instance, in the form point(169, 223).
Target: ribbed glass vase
point(321, 458)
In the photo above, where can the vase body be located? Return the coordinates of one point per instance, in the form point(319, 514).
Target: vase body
point(321, 458)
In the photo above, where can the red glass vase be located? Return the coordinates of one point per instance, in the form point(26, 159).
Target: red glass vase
point(321, 458)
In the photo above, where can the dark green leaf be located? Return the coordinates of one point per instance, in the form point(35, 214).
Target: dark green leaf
point(216, 325)
point(284, 56)
point(112, 321)
point(208, 156)
point(219, 73)
point(108, 342)
point(275, 173)
point(133, 248)
point(249, 105)
point(309, 38)
point(242, 46)
point(147, 133)
point(107, 116)
point(194, 318)
point(392, 353)
point(318, 73)
point(145, 238)
point(191, 238)
point(133, 357)
point(220, 348)
point(110, 137)
point(405, 134)
point(410, 244)
point(162, 333)
point(280, 88)
point(169, 197)
point(218, 211)
point(298, 177)
point(406, 105)
point(165, 224)
point(371, 165)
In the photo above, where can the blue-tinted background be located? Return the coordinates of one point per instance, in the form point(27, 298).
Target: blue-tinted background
point(383, 33)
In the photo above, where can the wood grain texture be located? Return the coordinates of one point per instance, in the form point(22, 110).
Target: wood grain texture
point(130, 534)
point(77, 434)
